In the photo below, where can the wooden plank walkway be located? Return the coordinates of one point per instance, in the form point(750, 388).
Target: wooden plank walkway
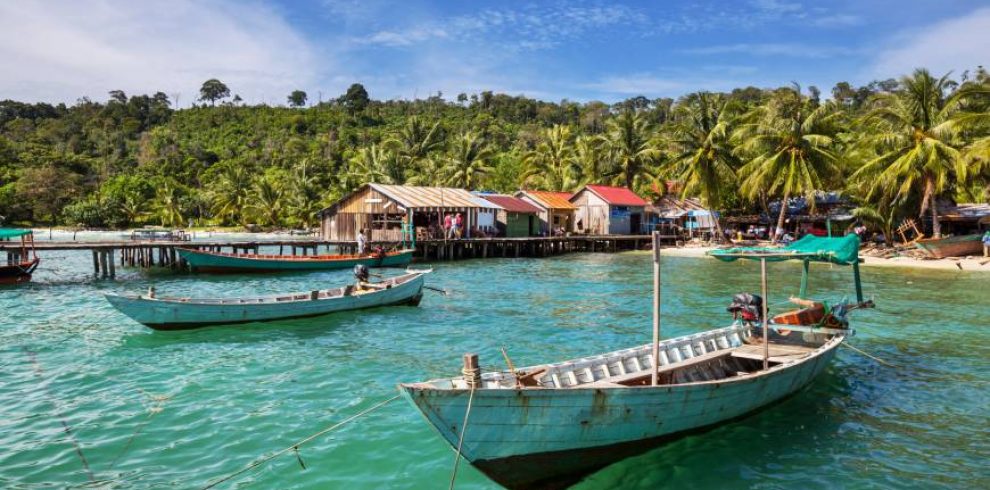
point(106, 254)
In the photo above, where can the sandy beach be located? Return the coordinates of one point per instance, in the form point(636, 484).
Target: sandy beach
point(979, 264)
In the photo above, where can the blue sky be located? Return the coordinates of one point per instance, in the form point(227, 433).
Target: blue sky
point(59, 50)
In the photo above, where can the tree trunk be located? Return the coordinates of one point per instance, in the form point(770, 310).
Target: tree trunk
point(719, 236)
point(936, 226)
point(780, 220)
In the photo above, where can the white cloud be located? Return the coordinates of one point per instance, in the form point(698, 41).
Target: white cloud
point(525, 29)
point(838, 20)
point(59, 51)
point(955, 44)
point(651, 85)
point(796, 50)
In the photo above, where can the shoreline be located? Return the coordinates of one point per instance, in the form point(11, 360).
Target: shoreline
point(970, 264)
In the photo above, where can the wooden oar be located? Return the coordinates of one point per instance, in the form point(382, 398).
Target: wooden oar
point(431, 288)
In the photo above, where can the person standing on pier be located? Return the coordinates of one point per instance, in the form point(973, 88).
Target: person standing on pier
point(458, 226)
point(986, 244)
point(448, 228)
point(362, 242)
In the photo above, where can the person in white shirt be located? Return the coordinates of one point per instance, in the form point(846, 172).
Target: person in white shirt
point(362, 242)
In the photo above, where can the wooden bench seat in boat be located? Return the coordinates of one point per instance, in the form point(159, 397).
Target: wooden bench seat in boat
point(778, 353)
point(625, 378)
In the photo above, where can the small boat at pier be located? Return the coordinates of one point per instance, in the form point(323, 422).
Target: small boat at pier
point(186, 313)
point(20, 264)
point(201, 260)
point(548, 426)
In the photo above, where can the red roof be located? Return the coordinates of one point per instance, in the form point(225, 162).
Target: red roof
point(511, 204)
point(617, 196)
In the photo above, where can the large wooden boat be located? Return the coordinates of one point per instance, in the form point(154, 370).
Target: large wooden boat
point(200, 260)
point(954, 246)
point(20, 264)
point(185, 313)
point(547, 426)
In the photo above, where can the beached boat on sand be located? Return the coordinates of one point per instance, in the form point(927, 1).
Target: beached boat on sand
point(200, 260)
point(549, 425)
point(185, 313)
point(954, 246)
point(20, 264)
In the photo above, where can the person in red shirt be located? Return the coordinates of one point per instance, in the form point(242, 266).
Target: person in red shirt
point(458, 225)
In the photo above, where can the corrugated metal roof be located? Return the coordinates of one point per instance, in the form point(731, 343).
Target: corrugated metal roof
point(410, 196)
point(617, 196)
point(672, 207)
point(512, 204)
point(551, 200)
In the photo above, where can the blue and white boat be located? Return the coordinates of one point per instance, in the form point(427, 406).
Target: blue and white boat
point(185, 313)
point(547, 426)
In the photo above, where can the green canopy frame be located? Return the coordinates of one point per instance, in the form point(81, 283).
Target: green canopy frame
point(834, 250)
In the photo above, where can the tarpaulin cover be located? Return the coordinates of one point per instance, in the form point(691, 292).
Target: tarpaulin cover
point(836, 250)
point(13, 233)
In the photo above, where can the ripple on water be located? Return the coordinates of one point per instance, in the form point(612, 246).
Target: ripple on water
point(177, 409)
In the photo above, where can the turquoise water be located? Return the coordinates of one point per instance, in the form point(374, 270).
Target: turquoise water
point(179, 409)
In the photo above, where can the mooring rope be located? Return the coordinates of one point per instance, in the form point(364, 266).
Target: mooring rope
point(159, 402)
point(881, 361)
point(65, 425)
point(295, 447)
point(468, 375)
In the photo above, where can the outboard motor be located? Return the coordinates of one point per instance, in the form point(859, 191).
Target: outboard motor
point(747, 306)
point(361, 273)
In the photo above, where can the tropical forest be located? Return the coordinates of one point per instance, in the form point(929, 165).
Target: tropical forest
point(898, 148)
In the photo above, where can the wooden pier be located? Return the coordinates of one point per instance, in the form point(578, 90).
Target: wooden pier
point(125, 253)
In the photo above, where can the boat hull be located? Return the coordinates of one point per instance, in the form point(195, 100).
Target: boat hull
point(956, 246)
point(178, 315)
point(15, 273)
point(547, 438)
point(215, 262)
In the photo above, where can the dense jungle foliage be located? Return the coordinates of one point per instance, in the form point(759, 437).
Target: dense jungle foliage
point(899, 148)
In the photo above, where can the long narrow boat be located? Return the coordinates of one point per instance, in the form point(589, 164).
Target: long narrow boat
point(201, 260)
point(20, 264)
point(954, 246)
point(547, 426)
point(185, 313)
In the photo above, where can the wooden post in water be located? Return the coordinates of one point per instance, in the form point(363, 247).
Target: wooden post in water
point(656, 308)
point(110, 262)
point(766, 321)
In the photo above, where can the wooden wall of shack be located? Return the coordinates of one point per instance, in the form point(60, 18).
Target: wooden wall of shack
point(372, 210)
point(365, 209)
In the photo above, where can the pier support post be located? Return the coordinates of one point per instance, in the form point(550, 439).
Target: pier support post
point(96, 263)
point(103, 264)
point(113, 267)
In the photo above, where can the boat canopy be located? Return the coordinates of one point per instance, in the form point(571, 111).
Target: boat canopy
point(836, 250)
point(13, 233)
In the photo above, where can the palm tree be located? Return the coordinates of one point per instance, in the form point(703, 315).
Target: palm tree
point(377, 164)
point(267, 200)
point(914, 140)
point(416, 141)
point(628, 141)
point(306, 198)
point(703, 158)
point(466, 164)
point(551, 165)
point(133, 207)
point(230, 194)
point(591, 160)
point(790, 145)
point(429, 172)
point(169, 204)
